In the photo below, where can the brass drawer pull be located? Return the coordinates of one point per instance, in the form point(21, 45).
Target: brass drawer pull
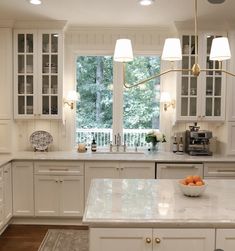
point(148, 240)
point(58, 169)
point(157, 240)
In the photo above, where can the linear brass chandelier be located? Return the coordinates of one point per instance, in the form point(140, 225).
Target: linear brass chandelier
point(172, 51)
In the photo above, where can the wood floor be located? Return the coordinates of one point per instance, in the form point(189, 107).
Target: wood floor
point(26, 237)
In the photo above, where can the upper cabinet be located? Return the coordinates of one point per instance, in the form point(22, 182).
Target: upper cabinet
point(38, 74)
point(5, 73)
point(202, 97)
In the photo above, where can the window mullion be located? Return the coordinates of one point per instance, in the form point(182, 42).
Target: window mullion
point(117, 100)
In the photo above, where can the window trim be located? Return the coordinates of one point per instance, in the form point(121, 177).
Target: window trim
point(118, 88)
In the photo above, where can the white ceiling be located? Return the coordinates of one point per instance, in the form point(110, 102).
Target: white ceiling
point(116, 12)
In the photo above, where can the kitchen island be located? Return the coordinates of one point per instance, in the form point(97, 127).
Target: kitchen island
point(154, 215)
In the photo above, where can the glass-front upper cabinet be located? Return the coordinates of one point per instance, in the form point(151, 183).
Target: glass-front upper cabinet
point(189, 84)
point(25, 74)
point(49, 71)
point(202, 97)
point(38, 74)
point(214, 86)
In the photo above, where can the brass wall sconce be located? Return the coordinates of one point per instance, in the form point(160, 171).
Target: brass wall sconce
point(71, 99)
point(167, 101)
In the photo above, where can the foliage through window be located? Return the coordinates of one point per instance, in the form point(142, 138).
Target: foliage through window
point(94, 113)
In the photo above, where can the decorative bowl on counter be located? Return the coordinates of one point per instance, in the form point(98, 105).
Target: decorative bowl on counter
point(192, 186)
point(192, 191)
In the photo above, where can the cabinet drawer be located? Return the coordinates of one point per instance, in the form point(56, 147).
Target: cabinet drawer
point(219, 169)
point(59, 168)
point(178, 171)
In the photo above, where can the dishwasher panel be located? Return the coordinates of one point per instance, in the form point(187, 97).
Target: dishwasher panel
point(178, 171)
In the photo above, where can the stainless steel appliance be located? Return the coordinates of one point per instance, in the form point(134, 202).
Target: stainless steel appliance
point(197, 142)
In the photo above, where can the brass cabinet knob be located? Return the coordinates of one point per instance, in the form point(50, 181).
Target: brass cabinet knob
point(148, 240)
point(157, 240)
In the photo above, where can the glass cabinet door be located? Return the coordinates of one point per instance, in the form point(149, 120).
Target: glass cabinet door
point(189, 85)
point(213, 85)
point(49, 73)
point(25, 73)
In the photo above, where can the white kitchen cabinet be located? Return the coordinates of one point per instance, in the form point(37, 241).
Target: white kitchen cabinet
point(71, 195)
point(23, 188)
point(1, 216)
point(225, 239)
point(219, 170)
point(46, 195)
point(59, 188)
point(38, 72)
point(7, 177)
point(178, 171)
point(230, 146)
point(202, 97)
point(144, 239)
point(6, 73)
point(183, 239)
point(125, 239)
point(117, 170)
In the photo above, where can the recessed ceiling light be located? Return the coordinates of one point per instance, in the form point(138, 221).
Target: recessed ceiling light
point(146, 2)
point(35, 2)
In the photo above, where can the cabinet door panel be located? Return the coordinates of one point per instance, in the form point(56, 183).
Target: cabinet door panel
point(120, 239)
point(46, 195)
point(23, 197)
point(71, 196)
point(184, 239)
point(225, 239)
point(6, 73)
point(137, 170)
point(7, 192)
point(1, 216)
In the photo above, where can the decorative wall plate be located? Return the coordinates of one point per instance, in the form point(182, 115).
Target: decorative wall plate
point(40, 140)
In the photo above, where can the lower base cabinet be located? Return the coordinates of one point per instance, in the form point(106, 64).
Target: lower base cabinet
point(59, 188)
point(147, 239)
point(58, 195)
point(23, 188)
point(225, 239)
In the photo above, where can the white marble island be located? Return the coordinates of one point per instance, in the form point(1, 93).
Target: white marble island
point(139, 214)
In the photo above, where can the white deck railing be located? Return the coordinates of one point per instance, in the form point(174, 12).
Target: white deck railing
point(104, 136)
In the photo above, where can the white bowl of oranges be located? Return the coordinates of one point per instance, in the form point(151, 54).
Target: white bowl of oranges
point(192, 186)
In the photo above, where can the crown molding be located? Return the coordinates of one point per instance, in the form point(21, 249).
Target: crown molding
point(6, 23)
point(58, 24)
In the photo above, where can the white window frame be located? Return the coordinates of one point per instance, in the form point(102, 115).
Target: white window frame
point(118, 88)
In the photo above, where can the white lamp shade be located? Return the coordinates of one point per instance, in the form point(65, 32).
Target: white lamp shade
point(123, 51)
point(165, 97)
point(220, 49)
point(72, 96)
point(172, 50)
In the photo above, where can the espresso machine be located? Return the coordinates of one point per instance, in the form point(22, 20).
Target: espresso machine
point(197, 141)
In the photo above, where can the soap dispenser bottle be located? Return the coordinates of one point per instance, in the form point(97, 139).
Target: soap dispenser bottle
point(93, 145)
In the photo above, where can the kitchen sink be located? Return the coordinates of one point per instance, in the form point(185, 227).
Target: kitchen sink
point(104, 152)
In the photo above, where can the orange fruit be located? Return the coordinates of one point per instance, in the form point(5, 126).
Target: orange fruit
point(199, 183)
point(183, 182)
point(196, 178)
point(189, 180)
point(191, 184)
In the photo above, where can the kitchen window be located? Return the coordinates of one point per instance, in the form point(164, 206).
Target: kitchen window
point(106, 108)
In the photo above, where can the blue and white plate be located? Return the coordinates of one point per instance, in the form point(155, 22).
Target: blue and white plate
point(40, 140)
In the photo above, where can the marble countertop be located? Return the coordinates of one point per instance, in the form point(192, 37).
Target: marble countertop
point(158, 203)
point(160, 156)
